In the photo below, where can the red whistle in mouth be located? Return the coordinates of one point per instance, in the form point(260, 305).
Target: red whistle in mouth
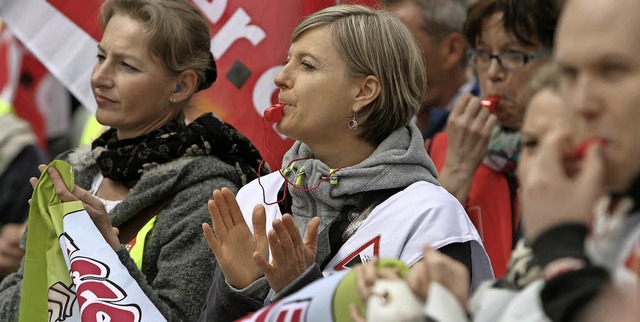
point(273, 113)
point(581, 149)
point(491, 103)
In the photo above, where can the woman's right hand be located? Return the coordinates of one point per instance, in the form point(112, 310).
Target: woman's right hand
point(231, 240)
point(469, 129)
point(550, 195)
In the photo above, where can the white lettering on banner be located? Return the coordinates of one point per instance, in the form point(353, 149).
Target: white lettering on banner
point(213, 10)
point(236, 28)
point(264, 89)
point(294, 312)
point(259, 316)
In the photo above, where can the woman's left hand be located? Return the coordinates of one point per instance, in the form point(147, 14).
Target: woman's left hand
point(365, 276)
point(291, 255)
point(94, 207)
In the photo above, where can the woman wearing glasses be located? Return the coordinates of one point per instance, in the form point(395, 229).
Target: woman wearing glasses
point(477, 156)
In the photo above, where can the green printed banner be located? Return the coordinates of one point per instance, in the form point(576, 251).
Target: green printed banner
point(71, 273)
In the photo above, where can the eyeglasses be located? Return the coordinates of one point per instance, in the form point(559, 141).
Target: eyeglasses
point(509, 60)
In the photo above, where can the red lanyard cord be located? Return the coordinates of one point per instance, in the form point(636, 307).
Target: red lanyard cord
point(287, 168)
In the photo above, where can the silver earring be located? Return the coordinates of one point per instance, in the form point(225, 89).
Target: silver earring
point(353, 124)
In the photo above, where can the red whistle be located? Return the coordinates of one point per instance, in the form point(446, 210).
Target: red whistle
point(581, 149)
point(491, 103)
point(273, 113)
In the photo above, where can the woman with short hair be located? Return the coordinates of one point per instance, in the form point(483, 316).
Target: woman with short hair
point(478, 154)
point(358, 173)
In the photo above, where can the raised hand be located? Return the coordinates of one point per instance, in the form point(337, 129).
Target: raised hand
point(231, 240)
point(469, 129)
point(552, 195)
point(94, 207)
point(438, 267)
point(366, 276)
point(291, 255)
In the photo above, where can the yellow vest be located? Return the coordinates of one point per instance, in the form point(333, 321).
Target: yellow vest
point(92, 130)
point(5, 108)
point(136, 245)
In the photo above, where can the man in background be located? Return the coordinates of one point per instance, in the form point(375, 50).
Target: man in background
point(437, 26)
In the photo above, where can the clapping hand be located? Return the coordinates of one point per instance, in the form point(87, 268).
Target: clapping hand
point(231, 240)
point(291, 255)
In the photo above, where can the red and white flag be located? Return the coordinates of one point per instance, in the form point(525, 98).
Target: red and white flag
point(30, 91)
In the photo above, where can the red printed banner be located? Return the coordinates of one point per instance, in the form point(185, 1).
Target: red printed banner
point(250, 40)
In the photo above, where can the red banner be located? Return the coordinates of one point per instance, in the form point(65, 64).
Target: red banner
point(250, 40)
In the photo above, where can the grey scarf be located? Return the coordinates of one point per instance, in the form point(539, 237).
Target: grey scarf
point(397, 162)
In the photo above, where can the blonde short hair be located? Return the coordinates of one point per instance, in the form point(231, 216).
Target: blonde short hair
point(546, 78)
point(176, 31)
point(374, 42)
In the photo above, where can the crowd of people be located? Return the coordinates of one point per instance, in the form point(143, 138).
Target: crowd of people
point(402, 198)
